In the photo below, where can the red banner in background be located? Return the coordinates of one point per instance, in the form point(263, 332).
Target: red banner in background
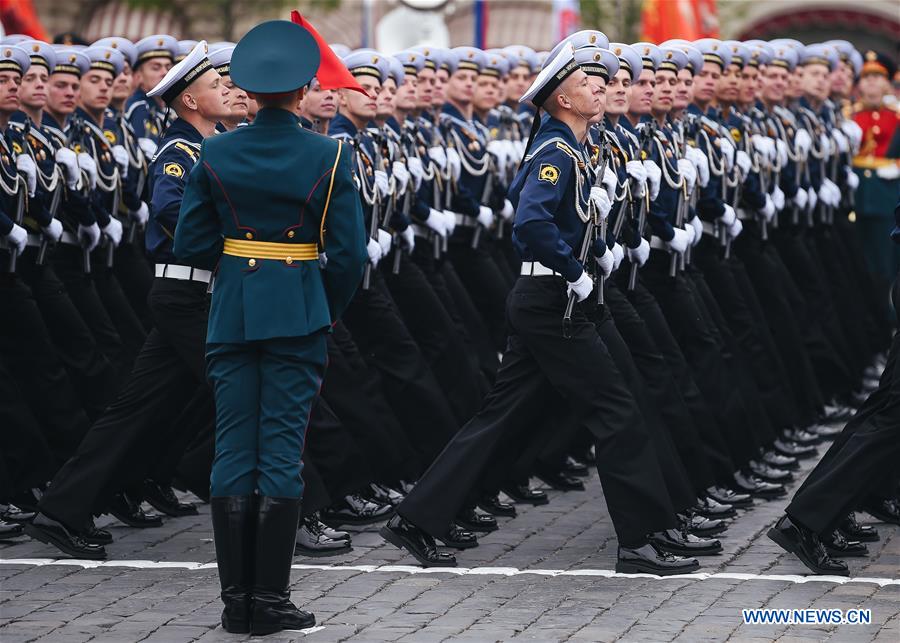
point(19, 16)
point(687, 19)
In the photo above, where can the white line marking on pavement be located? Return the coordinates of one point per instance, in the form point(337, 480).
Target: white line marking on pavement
point(459, 571)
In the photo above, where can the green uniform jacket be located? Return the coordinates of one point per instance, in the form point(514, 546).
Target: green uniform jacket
point(269, 181)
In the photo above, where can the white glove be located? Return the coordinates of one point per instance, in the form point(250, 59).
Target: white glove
point(374, 250)
point(437, 221)
point(680, 241)
point(67, 158)
point(640, 254)
point(498, 149)
point(852, 178)
point(454, 163)
point(813, 198)
point(449, 221)
point(853, 133)
point(801, 198)
point(384, 240)
point(121, 155)
point(141, 215)
point(601, 201)
point(416, 171)
point(743, 162)
point(768, 210)
point(834, 192)
point(89, 167)
point(840, 141)
point(401, 175)
point(689, 172)
point(701, 164)
point(888, 172)
point(53, 230)
point(25, 165)
point(408, 238)
point(697, 224)
point(485, 216)
point(610, 181)
point(148, 147)
point(520, 148)
point(654, 176)
point(778, 198)
point(691, 233)
point(735, 229)
point(764, 146)
point(507, 212)
point(825, 193)
point(637, 171)
point(89, 236)
point(825, 144)
point(512, 152)
point(726, 147)
point(728, 216)
point(438, 155)
point(582, 287)
point(382, 184)
point(618, 253)
point(17, 238)
point(802, 142)
point(606, 262)
point(781, 152)
point(113, 230)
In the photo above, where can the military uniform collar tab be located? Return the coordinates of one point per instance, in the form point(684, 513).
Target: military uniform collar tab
point(275, 116)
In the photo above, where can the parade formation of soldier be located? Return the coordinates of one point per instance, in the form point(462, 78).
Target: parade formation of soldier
point(642, 258)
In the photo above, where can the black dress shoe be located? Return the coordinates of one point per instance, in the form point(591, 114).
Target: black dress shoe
point(127, 511)
point(405, 535)
point(12, 513)
point(494, 506)
point(769, 473)
point(312, 541)
point(775, 459)
point(355, 510)
point(757, 487)
point(884, 510)
point(676, 541)
point(95, 536)
point(852, 530)
point(524, 494)
point(801, 436)
point(839, 547)
point(474, 521)
point(54, 533)
point(559, 480)
point(458, 538)
point(826, 431)
point(650, 559)
point(836, 413)
point(726, 496)
point(163, 498)
point(805, 544)
point(709, 508)
point(701, 525)
point(10, 529)
point(794, 450)
point(575, 467)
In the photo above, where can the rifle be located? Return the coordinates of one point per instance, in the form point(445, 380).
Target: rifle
point(19, 217)
point(650, 134)
point(485, 199)
point(598, 181)
point(376, 218)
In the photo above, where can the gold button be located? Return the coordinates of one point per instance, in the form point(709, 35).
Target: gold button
point(290, 234)
point(249, 235)
point(289, 261)
point(251, 263)
point(868, 174)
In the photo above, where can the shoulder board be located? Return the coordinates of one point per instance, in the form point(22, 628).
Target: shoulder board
point(187, 149)
point(178, 143)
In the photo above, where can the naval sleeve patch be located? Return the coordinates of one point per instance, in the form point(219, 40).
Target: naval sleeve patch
point(173, 169)
point(549, 173)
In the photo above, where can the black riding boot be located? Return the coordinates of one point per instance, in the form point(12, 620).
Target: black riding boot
point(234, 529)
point(276, 532)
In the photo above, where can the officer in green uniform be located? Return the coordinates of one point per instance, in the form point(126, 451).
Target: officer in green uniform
point(272, 208)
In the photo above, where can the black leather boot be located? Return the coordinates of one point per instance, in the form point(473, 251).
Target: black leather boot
point(234, 528)
point(276, 532)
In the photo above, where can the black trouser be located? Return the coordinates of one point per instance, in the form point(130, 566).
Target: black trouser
point(91, 372)
point(339, 459)
point(125, 443)
point(582, 371)
point(130, 328)
point(135, 273)
point(713, 439)
point(432, 327)
point(409, 384)
point(31, 357)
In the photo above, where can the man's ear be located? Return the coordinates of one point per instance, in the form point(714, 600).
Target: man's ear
point(188, 101)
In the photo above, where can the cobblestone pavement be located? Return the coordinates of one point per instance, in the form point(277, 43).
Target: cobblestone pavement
point(510, 587)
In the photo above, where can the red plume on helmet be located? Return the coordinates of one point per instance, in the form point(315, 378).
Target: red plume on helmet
point(332, 74)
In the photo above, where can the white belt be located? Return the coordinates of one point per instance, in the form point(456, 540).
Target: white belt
point(658, 244)
point(69, 238)
point(183, 273)
point(34, 240)
point(464, 220)
point(537, 269)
